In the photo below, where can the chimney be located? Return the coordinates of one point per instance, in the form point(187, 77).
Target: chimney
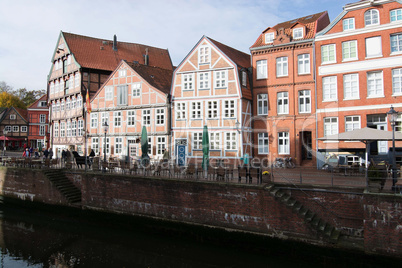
point(115, 43)
point(146, 57)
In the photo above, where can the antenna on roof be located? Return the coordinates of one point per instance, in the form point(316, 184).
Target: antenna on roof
point(146, 57)
point(115, 43)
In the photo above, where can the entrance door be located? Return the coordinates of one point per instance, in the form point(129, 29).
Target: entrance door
point(181, 152)
point(306, 145)
point(382, 145)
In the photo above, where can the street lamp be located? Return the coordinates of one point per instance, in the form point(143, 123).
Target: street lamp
point(105, 129)
point(4, 148)
point(392, 117)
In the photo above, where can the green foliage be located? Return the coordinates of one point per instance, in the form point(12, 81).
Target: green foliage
point(20, 98)
point(10, 100)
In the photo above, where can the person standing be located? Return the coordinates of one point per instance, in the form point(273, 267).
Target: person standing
point(50, 153)
point(46, 153)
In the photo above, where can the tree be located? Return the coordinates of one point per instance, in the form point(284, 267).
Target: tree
point(9, 100)
point(29, 97)
point(5, 88)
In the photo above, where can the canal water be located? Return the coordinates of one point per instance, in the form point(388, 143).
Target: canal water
point(49, 237)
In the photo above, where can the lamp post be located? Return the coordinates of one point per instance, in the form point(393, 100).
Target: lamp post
point(4, 147)
point(105, 129)
point(392, 117)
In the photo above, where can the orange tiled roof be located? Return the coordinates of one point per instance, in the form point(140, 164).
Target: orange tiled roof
point(159, 78)
point(98, 54)
point(313, 23)
point(22, 112)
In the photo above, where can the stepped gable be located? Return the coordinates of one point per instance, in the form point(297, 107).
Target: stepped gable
point(95, 53)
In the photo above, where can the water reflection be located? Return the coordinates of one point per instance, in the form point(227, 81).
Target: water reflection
point(33, 238)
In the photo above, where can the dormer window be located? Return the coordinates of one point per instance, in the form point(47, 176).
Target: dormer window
point(269, 38)
point(371, 17)
point(298, 33)
point(348, 24)
point(42, 104)
point(203, 54)
point(396, 15)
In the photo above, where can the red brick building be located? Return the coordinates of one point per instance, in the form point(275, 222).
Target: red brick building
point(284, 89)
point(359, 75)
point(38, 117)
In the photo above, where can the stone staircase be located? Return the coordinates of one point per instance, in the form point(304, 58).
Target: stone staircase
point(327, 230)
point(64, 185)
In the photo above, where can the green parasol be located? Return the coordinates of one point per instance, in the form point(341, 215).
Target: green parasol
point(205, 148)
point(144, 147)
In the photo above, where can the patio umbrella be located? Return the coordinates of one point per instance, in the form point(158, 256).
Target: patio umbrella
point(205, 148)
point(40, 147)
point(365, 135)
point(144, 146)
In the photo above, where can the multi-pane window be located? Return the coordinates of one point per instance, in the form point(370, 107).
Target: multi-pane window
point(329, 88)
point(94, 120)
point(262, 69)
point(66, 86)
point(161, 145)
point(197, 140)
point(123, 73)
point(371, 17)
point(181, 110)
point(229, 108)
point(62, 129)
point(188, 81)
point(349, 50)
point(352, 123)
point(25, 129)
point(160, 116)
point(8, 128)
point(56, 87)
point(146, 117)
point(77, 80)
point(73, 102)
point(68, 104)
point(136, 90)
point(214, 141)
point(396, 42)
point(297, 33)
point(303, 64)
point(107, 145)
point(80, 127)
point(16, 128)
point(95, 145)
point(351, 86)
point(150, 146)
point(397, 81)
point(52, 88)
point(396, 15)
point(269, 38)
point(68, 128)
point(203, 54)
point(74, 128)
point(79, 101)
point(263, 143)
point(373, 47)
point(122, 95)
point(328, 53)
point(117, 118)
point(62, 105)
point(13, 116)
point(203, 80)
point(212, 109)
point(196, 110)
point(109, 93)
point(348, 24)
point(104, 118)
point(56, 129)
point(283, 143)
point(262, 104)
point(220, 79)
point(130, 118)
point(42, 118)
point(283, 103)
point(118, 145)
point(230, 141)
point(375, 87)
point(330, 126)
point(304, 101)
point(42, 130)
point(282, 66)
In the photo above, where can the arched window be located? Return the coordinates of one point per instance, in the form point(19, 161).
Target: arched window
point(371, 17)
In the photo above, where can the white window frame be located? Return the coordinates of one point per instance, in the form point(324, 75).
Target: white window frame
point(197, 141)
point(180, 109)
point(204, 81)
point(188, 81)
point(328, 54)
point(16, 129)
point(352, 122)
point(397, 81)
point(56, 130)
point(13, 117)
point(117, 117)
point(331, 126)
point(62, 129)
point(371, 17)
point(146, 117)
point(118, 145)
point(80, 127)
point(349, 50)
point(304, 101)
point(396, 43)
point(220, 78)
point(282, 66)
point(42, 130)
point(351, 86)
point(282, 102)
point(95, 145)
point(136, 90)
point(94, 120)
point(395, 15)
point(269, 38)
point(373, 47)
point(283, 143)
point(122, 72)
point(229, 109)
point(25, 128)
point(104, 118)
point(303, 63)
point(160, 116)
point(131, 118)
point(77, 80)
point(160, 145)
point(376, 80)
point(329, 88)
point(262, 104)
point(348, 24)
point(230, 141)
point(42, 118)
point(196, 110)
point(109, 93)
point(262, 69)
point(122, 92)
point(298, 33)
point(214, 141)
point(212, 109)
point(204, 54)
point(68, 128)
point(73, 128)
point(263, 143)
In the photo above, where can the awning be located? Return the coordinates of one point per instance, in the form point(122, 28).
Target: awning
point(11, 138)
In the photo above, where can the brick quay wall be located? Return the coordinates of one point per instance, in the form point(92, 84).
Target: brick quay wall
point(371, 223)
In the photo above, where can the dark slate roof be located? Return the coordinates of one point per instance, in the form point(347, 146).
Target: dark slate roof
point(95, 53)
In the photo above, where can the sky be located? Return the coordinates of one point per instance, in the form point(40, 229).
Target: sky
point(29, 29)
